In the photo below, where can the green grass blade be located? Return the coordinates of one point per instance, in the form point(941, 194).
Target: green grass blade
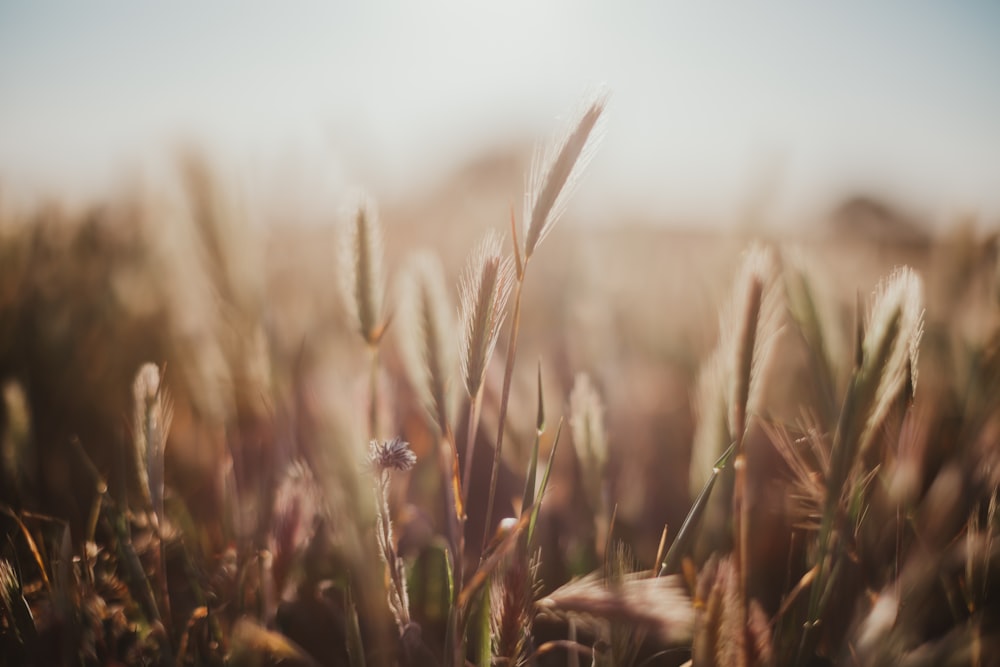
point(672, 561)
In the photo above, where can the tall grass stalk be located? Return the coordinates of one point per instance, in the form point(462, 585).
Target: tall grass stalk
point(364, 286)
point(484, 290)
point(756, 306)
point(153, 414)
point(886, 366)
point(553, 176)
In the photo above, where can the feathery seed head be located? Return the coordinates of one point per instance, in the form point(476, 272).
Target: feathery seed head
point(153, 413)
point(484, 288)
point(750, 328)
point(658, 604)
point(426, 333)
point(892, 343)
point(556, 171)
point(901, 292)
point(364, 279)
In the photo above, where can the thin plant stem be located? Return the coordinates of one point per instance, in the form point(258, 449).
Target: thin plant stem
point(507, 377)
point(373, 393)
point(475, 409)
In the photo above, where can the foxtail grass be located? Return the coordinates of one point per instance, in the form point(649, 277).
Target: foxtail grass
point(484, 289)
point(886, 366)
point(364, 286)
point(151, 425)
point(554, 174)
point(153, 414)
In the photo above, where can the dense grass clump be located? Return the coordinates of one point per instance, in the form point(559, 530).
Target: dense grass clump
point(216, 454)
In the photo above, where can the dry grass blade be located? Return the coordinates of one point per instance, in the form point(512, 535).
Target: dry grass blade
point(555, 172)
point(589, 439)
point(656, 604)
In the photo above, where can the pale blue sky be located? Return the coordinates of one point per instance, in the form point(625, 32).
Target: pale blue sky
point(711, 102)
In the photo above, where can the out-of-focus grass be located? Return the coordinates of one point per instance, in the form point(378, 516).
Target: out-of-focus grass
point(267, 549)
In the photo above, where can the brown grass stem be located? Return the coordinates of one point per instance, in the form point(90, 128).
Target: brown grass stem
point(475, 410)
point(508, 375)
point(373, 391)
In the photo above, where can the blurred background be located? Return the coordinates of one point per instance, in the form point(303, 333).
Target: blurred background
point(174, 179)
point(720, 115)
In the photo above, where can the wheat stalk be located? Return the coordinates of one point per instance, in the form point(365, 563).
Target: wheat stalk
point(553, 176)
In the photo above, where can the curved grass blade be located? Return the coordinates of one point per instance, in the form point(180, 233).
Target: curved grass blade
point(679, 547)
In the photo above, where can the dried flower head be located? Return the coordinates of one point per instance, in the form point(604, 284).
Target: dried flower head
point(384, 457)
point(484, 289)
point(392, 454)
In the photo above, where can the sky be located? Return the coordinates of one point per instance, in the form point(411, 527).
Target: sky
point(715, 107)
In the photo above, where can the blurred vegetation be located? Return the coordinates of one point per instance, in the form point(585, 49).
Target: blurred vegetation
point(257, 539)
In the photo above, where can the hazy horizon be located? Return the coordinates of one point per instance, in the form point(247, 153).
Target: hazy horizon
point(713, 111)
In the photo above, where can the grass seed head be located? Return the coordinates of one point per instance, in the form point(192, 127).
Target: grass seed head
point(750, 328)
point(426, 334)
point(556, 171)
point(364, 277)
point(484, 288)
point(892, 343)
point(152, 417)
